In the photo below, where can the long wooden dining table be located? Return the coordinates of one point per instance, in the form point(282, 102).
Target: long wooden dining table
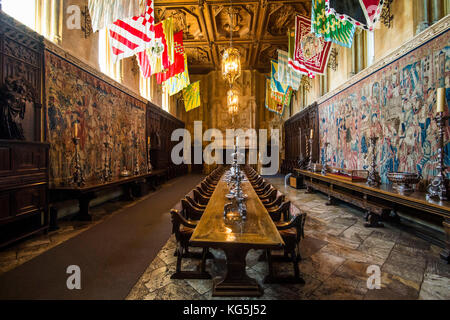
point(236, 238)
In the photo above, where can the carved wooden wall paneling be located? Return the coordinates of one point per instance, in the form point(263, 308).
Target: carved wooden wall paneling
point(21, 56)
point(160, 126)
point(23, 157)
point(258, 28)
point(297, 132)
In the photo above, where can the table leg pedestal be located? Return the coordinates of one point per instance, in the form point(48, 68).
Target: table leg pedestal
point(83, 203)
point(236, 281)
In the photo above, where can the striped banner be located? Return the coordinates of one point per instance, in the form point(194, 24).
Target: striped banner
point(287, 75)
point(132, 35)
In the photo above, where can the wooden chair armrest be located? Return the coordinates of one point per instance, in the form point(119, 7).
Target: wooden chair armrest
point(185, 222)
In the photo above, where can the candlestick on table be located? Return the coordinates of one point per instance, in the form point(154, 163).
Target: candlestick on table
point(78, 177)
point(440, 103)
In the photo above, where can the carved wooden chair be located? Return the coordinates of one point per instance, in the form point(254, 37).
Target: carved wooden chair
point(200, 198)
point(205, 186)
point(190, 197)
point(260, 187)
point(264, 190)
point(291, 232)
point(280, 211)
point(183, 229)
point(275, 203)
point(204, 192)
point(211, 182)
point(269, 196)
point(191, 211)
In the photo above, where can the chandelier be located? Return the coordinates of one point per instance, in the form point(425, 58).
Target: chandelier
point(231, 64)
point(231, 59)
point(232, 101)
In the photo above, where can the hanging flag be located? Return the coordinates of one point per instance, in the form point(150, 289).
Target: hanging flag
point(296, 67)
point(178, 82)
point(310, 51)
point(105, 12)
point(362, 13)
point(270, 103)
point(332, 29)
point(132, 35)
point(286, 74)
point(191, 96)
point(280, 92)
point(178, 59)
point(160, 56)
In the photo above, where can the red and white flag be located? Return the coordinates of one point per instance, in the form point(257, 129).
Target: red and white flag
point(132, 35)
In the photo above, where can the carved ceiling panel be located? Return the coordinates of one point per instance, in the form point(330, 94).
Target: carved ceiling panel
point(184, 18)
point(236, 20)
point(258, 28)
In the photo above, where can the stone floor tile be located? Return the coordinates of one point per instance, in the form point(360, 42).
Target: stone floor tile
point(393, 288)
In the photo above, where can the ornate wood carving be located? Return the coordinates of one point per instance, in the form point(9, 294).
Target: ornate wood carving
point(297, 132)
point(21, 56)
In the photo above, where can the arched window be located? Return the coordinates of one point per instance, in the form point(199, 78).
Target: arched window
point(114, 70)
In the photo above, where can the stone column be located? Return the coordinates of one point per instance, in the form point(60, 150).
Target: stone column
point(437, 10)
point(422, 15)
point(56, 18)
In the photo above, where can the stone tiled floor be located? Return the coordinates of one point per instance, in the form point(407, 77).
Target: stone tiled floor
point(337, 250)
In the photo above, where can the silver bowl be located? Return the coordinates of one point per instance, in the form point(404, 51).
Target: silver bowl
point(403, 181)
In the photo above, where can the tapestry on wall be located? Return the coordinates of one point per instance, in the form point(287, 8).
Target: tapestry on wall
point(329, 27)
point(310, 52)
point(397, 104)
point(104, 113)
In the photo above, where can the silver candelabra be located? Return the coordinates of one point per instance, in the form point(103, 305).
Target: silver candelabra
point(439, 185)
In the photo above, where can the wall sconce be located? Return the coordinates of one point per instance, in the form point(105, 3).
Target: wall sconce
point(305, 84)
point(86, 25)
point(332, 60)
point(386, 16)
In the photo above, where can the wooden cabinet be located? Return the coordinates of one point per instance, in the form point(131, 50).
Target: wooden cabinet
point(23, 189)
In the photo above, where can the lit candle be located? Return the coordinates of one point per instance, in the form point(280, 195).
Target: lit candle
point(148, 140)
point(440, 100)
point(76, 130)
point(311, 136)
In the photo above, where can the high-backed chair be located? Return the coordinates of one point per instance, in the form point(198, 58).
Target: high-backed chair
point(190, 197)
point(275, 203)
point(183, 229)
point(200, 198)
point(269, 196)
point(190, 210)
point(205, 193)
point(291, 232)
point(280, 211)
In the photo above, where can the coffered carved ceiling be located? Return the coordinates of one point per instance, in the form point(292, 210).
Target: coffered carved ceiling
point(258, 29)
